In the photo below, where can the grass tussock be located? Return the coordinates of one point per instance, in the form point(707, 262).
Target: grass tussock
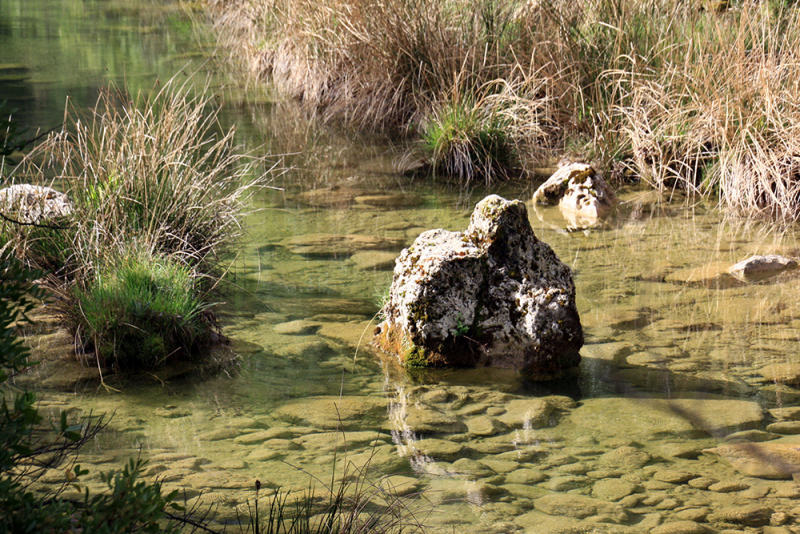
point(141, 310)
point(699, 95)
point(158, 190)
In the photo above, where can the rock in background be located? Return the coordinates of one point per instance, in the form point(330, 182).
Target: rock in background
point(31, 204)
point(583, 196)
point(493, 295)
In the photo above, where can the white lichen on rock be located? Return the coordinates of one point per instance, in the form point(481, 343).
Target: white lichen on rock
point(493, 295)
point(31, 204)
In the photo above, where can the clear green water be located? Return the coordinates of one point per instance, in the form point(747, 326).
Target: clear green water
point(674, 362)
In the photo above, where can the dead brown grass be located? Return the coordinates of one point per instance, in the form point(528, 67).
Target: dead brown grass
point(680, 94)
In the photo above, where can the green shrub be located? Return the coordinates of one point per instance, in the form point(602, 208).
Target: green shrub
point(156, 175)
point(140, 311)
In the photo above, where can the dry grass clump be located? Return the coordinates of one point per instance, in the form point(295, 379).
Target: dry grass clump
point(699, 95)
point(401, 65)
point(359, 504)
point(160, 172)
point(721, 115)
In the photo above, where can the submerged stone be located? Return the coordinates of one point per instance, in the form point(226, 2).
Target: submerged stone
point(751, 515)
point(680, 527)
point(493, 295)
point(332, 412)
point(390, 201)
point(335, 245)
point(763, 460)
point(374, 260)
point(782, 373)
point(578, 506)
point(758, 268)
point(328, 196)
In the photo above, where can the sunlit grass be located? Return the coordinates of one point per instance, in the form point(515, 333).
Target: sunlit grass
point(141, 310)
point(679, 94)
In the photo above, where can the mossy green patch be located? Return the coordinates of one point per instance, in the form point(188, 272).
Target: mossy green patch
point(415, 358)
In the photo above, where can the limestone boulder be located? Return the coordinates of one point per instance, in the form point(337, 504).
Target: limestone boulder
point(493, 295)
point(30, 204)
point(581, 193)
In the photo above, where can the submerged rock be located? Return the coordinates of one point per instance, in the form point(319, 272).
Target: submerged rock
point(579, 506)
point(333, 245)
point(493, 295)
point(582, 195)
point(328, 197)
point(758, 268)
point(33, 203)
point(763, 460)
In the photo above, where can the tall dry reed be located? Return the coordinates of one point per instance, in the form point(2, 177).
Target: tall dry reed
point(157, 173)
point(699, 95)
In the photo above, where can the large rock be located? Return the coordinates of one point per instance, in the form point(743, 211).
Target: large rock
point(30, 204)
point(582, 195)
point(493, 295)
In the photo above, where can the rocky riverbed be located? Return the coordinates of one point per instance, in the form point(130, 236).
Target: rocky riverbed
point(682, 417)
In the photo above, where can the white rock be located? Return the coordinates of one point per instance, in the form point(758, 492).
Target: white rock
point(493, 295)
point(758, 268)
point(33, 203)
point(582, 195)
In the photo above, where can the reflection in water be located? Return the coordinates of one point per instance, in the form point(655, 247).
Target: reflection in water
point(675, 359)
point(59, 49)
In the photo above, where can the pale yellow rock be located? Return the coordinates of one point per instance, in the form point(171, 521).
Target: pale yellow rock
point(578, 506)
point(329, 412)
point(783, 373)
point(440, 449)
point(329, 196)
point(763, 460)
point(393, 201)
point(526, 413)
point(758, 268)
point(374, 260)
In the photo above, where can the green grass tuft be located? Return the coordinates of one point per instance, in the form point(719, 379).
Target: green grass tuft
point(469, 142)
point(140, 311)
point(158, 193)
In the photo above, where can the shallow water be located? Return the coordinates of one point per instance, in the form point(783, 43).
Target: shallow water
point(676, 361)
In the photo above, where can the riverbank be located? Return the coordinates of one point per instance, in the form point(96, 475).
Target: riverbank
point(696, 95)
